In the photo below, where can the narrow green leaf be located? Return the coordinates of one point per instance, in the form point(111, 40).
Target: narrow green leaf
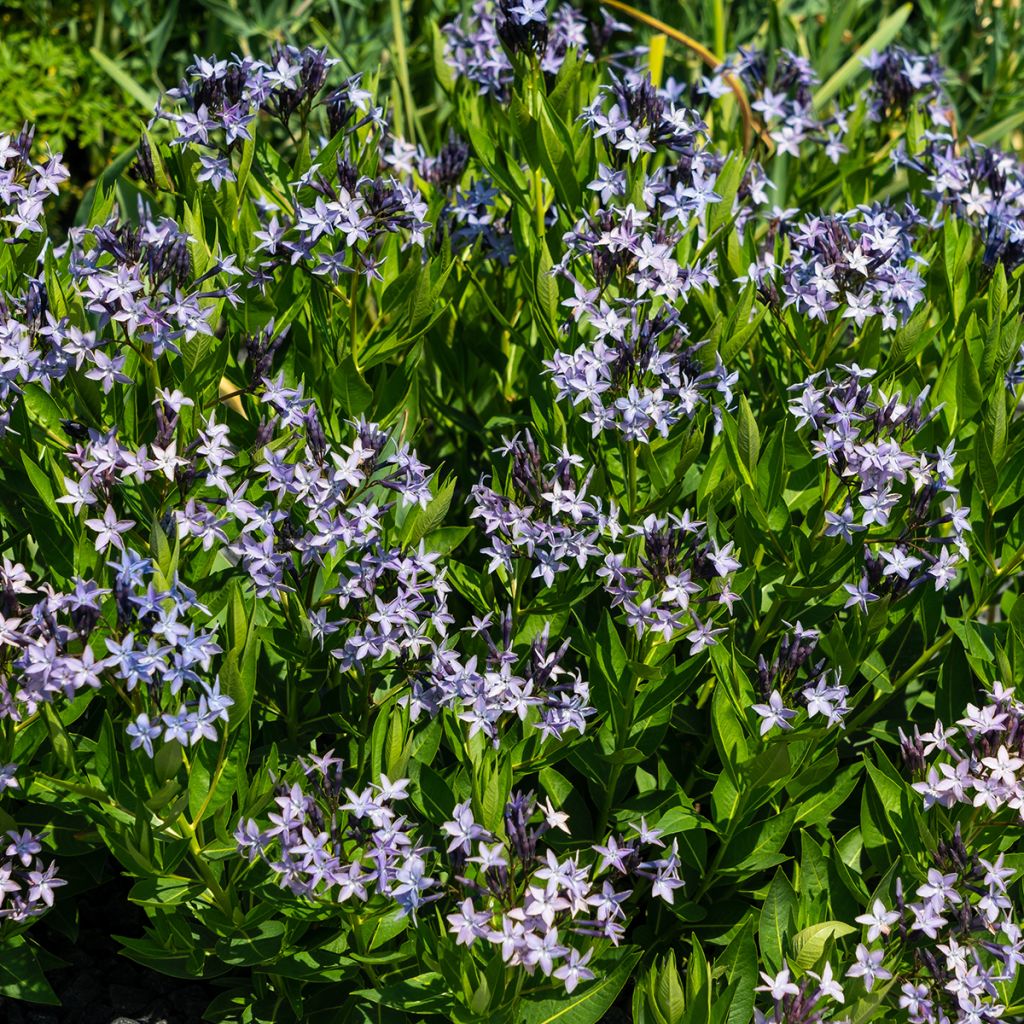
point(587, 1005)
point(886, 32)
point(124, 80)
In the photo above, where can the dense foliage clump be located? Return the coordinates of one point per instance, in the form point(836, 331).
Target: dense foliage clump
point(516, 556)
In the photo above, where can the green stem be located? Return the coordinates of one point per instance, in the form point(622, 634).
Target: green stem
point(719, 29)
point(214, 780)
point(292, 707)
point(622, 739)
point(712, 870)
point(609, 796)
point(221, 898)
point(353, 318)
point(538, 201)
point(364, 725)
point(630, 459)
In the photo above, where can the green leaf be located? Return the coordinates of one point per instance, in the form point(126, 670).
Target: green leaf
point(43, 410)
point(698, 985)
point(969, 394)
point(425, 993)
point(740, 960)
point(212, 781)
point(495, 796)
point(809, 944)
point(165, 892)
point(668, 991)
point(238, 679)
point(995, 426)
point(749, 436)
point(984, 467)
point(245, 166)
point(431, 794)
point(911, 338)
point(42, 484)
point(586, 1005)
point(726, 185)
point(778, 915)
point(421, 521)
point(889, 791)
point(727, 728)
point(60, 740)
point(609, 657)
point(996, 133)
point(21, 976)
point(350, 391)
point(813, 879)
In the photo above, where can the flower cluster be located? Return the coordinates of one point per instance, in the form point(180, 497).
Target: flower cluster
point(26, 884)
point(800, 1002)
point(902, 81)
point(224, 98)
point(339, 216)
point(303, 496)
point(533, 686)
point(24, 185)
point(951, 945)
point(323, 499)
point(476, 44)
point(820, 691)
point(947, 950)
point(335, 844)
point(983, 771)
point(27, 355)
point(978, 184)
point(479, 212)
point(783, 91)
point(632, 118)
point(902, 501)
point(138, 284)
point(53, 645)
point(962, 929)
point(862, 261)
point(551, 526)
point(340, 222)
point(640, 376)
point(528, 904)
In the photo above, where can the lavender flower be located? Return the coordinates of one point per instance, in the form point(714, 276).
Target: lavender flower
point(26, 885)
point(556, 527)
point(901, 502)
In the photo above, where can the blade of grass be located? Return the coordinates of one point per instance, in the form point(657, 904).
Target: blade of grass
point(994, 133)
point(124, 80)
point(413, 127)
point(878, 40)
point(657, 58)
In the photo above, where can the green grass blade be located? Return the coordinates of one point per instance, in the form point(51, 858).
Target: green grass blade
point(878, 40)
point(124, 80)
point(997, 132)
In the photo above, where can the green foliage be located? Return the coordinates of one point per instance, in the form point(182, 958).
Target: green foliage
point(774, 834)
